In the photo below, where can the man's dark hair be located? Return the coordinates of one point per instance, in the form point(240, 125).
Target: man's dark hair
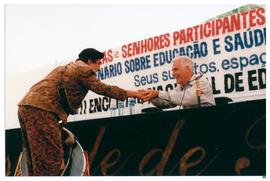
point(90, 53)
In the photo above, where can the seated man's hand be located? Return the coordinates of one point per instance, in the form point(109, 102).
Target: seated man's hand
point(149, 95)
point(140, 94)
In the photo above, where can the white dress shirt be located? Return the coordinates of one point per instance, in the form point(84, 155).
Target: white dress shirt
point(186, 95)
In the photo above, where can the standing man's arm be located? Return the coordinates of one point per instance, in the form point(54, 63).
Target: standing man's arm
point(89, 81)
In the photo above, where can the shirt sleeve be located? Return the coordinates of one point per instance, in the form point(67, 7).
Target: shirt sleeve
point(162, 103)
point(89, 81)
point(175, 96)
point(188, 97)
point(207, 92)
point(191, 99)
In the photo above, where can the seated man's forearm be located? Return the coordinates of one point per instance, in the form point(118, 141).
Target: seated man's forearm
point(162, 103)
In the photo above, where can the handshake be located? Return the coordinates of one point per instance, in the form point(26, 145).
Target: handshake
point(152, 95)
point(146, 95)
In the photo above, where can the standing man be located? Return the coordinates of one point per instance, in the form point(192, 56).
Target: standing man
point(53, 99)
point(189, 88)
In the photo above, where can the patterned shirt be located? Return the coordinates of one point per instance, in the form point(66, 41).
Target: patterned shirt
point(78, 79)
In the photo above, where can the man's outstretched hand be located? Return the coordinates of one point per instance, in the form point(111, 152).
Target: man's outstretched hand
point(148, 94)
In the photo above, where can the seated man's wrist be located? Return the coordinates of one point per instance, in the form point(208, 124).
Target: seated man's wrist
point(162, 95)
point(156, 93)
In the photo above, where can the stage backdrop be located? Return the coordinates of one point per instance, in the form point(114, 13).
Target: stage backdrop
point(221, 140)
point(229, 50)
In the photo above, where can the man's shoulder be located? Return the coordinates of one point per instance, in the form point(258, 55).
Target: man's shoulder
point(204, 79)
point(83, 69)
point(80, 64)
point(205, 83)
point(80, 67)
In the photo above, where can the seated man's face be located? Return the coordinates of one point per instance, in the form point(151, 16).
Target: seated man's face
point(182, 72)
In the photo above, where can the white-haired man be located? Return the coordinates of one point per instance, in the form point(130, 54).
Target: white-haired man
point(189, 88)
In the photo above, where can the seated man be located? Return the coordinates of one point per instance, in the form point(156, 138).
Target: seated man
point(189, 88)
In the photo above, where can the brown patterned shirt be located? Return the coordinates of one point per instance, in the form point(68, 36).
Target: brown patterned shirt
point(78, 78)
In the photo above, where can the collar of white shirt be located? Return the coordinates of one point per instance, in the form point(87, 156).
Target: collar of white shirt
point(188, 85)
